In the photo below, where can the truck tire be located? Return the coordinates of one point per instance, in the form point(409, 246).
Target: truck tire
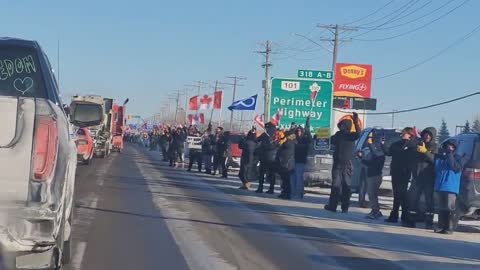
point(67, 244)
point(362, 191)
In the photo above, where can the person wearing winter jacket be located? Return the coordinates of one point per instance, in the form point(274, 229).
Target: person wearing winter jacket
point(207, 151)
point(342, 169)
point(423, 178)
point(285, 160)
point(374, 163)
point(164, 139)
point(194, 154)
point(448, 170)
point(221, 152)
point(304, 140)
point(248, 161)
point(400, 170)
point(267, 149)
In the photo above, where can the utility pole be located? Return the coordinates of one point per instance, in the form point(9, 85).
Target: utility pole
point(266, 86)
point(235, 84)
point(177, 100)
point(335, 29)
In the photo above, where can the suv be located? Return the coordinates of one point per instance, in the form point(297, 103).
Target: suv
point(468, 201)
point(38, 160)
point(359, 178)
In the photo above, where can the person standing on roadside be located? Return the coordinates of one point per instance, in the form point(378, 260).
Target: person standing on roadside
point(207, 151)
point(423, 179)
point(400, 170)
point(248, 161)
point(267, 150)
point(194, 153)
point(164, 139)
point(304, 140)
point(342, 169)
point(374, 163)
point(285, 161)
point(221, 152)
point(448, 171)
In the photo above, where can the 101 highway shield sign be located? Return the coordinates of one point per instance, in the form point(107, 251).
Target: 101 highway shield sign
point(294, 97)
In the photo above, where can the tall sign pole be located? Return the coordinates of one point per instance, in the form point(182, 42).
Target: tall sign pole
point(266, 85)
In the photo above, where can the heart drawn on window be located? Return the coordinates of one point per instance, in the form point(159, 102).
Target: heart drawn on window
point(23, 85)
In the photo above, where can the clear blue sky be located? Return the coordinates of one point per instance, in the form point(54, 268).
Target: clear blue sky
point(146, 49)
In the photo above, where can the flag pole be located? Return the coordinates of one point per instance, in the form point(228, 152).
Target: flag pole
point(314, 100)
point(213, 107)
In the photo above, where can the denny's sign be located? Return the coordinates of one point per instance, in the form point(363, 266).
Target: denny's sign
point(352, 80)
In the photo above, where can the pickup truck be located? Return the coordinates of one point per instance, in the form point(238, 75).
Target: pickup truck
point(38, 160)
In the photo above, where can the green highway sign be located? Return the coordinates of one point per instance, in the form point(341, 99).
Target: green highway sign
point(294, 97)
point(315, 74)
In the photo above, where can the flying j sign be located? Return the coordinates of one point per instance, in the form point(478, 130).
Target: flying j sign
point(299, 98)
point(352, 80)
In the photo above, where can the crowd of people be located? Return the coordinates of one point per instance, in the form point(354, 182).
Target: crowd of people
point(417, 166)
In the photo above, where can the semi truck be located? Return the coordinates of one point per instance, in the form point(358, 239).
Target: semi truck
point(94, 107)
point(118, 125)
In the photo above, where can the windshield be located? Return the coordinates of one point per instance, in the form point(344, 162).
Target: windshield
point(20, 73)
point(87, 114)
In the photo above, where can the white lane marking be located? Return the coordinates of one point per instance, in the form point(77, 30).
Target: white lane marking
point(79, 252)
point(196, 252)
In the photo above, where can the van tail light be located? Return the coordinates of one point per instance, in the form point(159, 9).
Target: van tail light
point(45, 142)
point(471, 173)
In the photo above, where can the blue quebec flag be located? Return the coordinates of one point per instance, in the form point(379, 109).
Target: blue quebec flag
point(247, 104)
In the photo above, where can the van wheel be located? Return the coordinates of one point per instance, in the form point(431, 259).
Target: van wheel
point(362, 191)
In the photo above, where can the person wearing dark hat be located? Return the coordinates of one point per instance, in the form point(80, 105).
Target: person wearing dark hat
point(248, 160)
point(400, 170)
point(266, 151)
point(222, 148)
point(285, 160)
point(304, 140)
point(423, 178)
point(448, 171)
point(342, 169)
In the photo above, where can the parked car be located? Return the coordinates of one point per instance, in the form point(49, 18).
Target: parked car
point(37, 160)
point(84, 142)
point(468, 201)
point(359, 178)
point(233, 160)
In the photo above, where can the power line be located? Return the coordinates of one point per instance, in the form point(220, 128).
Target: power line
point(388, 15)
point(388, 21)
point(418, 18)
point(457, 42)
point(420, 27)
point(371, 14)
point(418, 108)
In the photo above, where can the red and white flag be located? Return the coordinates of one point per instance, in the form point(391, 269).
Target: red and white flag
point(206, 102)
point(258, 120)
point(276, 117)
point(195, 119)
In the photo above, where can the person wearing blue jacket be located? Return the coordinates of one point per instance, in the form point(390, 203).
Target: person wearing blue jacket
point(448, 171)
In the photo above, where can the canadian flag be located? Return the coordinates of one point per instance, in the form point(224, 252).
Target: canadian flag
point(206, 102)
point(194, 119)
point(276, 117)
point(258, 120)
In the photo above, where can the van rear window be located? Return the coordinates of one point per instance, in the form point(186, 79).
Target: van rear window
point(20, 73)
